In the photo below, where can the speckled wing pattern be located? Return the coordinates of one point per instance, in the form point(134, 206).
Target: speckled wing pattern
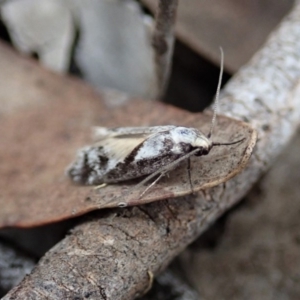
point(122, 153)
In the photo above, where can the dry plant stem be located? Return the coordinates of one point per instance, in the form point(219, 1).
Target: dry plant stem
point(163, 41)
point(110, 254)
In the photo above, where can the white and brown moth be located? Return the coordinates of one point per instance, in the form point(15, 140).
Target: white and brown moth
point(125, 153)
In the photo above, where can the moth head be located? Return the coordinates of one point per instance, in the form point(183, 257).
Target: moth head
point(202, 143)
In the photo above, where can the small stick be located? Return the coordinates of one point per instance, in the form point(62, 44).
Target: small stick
point(163, 41)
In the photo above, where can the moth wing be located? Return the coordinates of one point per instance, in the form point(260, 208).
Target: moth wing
point(118, 149)
point(118, 143)
point(153, 153)
point(100, 133)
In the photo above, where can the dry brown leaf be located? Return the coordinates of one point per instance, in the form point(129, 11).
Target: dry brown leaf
point(37, 151)
point(39, 141)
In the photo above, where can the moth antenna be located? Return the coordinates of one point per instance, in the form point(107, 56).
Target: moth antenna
point(227, 144)
point(216, 102)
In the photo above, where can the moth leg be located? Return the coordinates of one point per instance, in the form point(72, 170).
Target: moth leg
point(189, 173)
point(100, 186)
point(152, 184)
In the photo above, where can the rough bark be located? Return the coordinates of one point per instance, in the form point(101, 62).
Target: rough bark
point(91, 262)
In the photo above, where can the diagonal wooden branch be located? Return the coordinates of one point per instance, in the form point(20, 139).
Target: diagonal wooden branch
point(110, 255)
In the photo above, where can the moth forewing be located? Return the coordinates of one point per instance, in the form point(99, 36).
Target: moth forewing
point(121, 154)
point(128, 153)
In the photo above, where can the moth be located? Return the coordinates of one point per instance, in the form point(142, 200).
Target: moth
point(126, 153)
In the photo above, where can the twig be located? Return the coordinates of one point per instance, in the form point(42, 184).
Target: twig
point(163, 41)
